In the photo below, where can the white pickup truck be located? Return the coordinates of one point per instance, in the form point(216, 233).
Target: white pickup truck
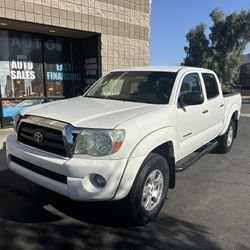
point(125, 137)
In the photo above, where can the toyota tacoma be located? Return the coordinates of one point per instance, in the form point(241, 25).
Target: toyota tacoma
point(126, 137)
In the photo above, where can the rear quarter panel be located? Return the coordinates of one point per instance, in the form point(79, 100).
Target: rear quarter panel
point(232, 103)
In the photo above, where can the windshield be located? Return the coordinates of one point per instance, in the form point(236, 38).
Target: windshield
point(28, 103)
point(134, 86)
point(8, 105)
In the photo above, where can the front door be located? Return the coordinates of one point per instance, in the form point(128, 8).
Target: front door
point(192, 120)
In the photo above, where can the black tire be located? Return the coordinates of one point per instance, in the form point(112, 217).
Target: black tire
point(223, 141)
point(154, 164)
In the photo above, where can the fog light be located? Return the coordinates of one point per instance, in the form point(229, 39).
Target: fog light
point(98, 180)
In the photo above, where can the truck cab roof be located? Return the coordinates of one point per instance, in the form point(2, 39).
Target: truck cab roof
point(165, 69)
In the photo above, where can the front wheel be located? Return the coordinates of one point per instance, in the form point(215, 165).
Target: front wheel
point(149, 190)
point(226, 141)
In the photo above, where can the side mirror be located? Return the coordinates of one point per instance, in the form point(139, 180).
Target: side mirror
point(191, 98)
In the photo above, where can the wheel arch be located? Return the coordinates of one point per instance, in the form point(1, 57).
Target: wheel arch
point(233, 114)
point(235, 119)
point(163, 142)
point(166, 150)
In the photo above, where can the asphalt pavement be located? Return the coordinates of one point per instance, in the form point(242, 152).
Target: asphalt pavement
point(208, 209)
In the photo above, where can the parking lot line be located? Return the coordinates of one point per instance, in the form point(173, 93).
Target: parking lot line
point(245, 115)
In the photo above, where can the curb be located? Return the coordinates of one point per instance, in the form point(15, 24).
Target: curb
point(2, 130)
point(245, 115)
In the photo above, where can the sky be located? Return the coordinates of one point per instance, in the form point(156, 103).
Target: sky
point(172, 19)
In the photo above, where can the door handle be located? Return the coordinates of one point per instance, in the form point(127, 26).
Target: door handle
point(222, 105)
point(205, 111)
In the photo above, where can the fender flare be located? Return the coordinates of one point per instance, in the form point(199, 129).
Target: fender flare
point(233, 110)
point(139, 153)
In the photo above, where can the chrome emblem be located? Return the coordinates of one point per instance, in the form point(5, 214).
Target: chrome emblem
point(38, 137)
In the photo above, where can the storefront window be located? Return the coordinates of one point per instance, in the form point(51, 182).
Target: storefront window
point(60, 73)
point(21, 68)
point(35, 69)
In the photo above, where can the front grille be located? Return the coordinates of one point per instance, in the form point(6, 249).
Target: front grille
point(52, 139)
point(47, 173)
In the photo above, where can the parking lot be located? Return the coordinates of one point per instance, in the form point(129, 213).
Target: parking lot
point(208, 209)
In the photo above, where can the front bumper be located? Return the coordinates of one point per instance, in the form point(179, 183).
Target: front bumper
point(77, 172)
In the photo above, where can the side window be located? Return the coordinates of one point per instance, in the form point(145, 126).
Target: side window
point(211, 85)
point(190, 83)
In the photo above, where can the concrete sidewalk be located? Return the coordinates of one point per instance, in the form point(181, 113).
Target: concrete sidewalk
point(3, 134)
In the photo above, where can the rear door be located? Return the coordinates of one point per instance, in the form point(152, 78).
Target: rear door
point(214, 105)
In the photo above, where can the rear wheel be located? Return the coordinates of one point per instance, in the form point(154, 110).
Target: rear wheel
point(226, 141)
point(149, 190)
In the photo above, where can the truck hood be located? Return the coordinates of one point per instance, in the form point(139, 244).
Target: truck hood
point(91, 112)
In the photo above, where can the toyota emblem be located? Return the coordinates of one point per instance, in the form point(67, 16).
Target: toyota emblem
point(38, 137)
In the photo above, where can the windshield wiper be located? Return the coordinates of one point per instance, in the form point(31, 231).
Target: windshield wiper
point(112, 98)
point(126, 100)
point(97, 97)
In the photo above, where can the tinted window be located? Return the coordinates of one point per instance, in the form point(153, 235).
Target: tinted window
point(211, 85)
point(191, 83)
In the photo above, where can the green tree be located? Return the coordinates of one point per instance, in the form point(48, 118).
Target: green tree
point(198, 51)
point(222, 50)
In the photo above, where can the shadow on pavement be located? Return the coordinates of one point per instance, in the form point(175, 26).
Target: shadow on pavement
point(21, 201)
point(24, 217)
point(3, 162)
point(168, 234)
point(31, 216)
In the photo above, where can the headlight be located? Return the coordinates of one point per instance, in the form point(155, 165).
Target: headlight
point(99, 142)
point(17, 119)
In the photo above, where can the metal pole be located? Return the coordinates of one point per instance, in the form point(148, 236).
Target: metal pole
point(1, 107)
point(72, 68)
point(44, 72)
